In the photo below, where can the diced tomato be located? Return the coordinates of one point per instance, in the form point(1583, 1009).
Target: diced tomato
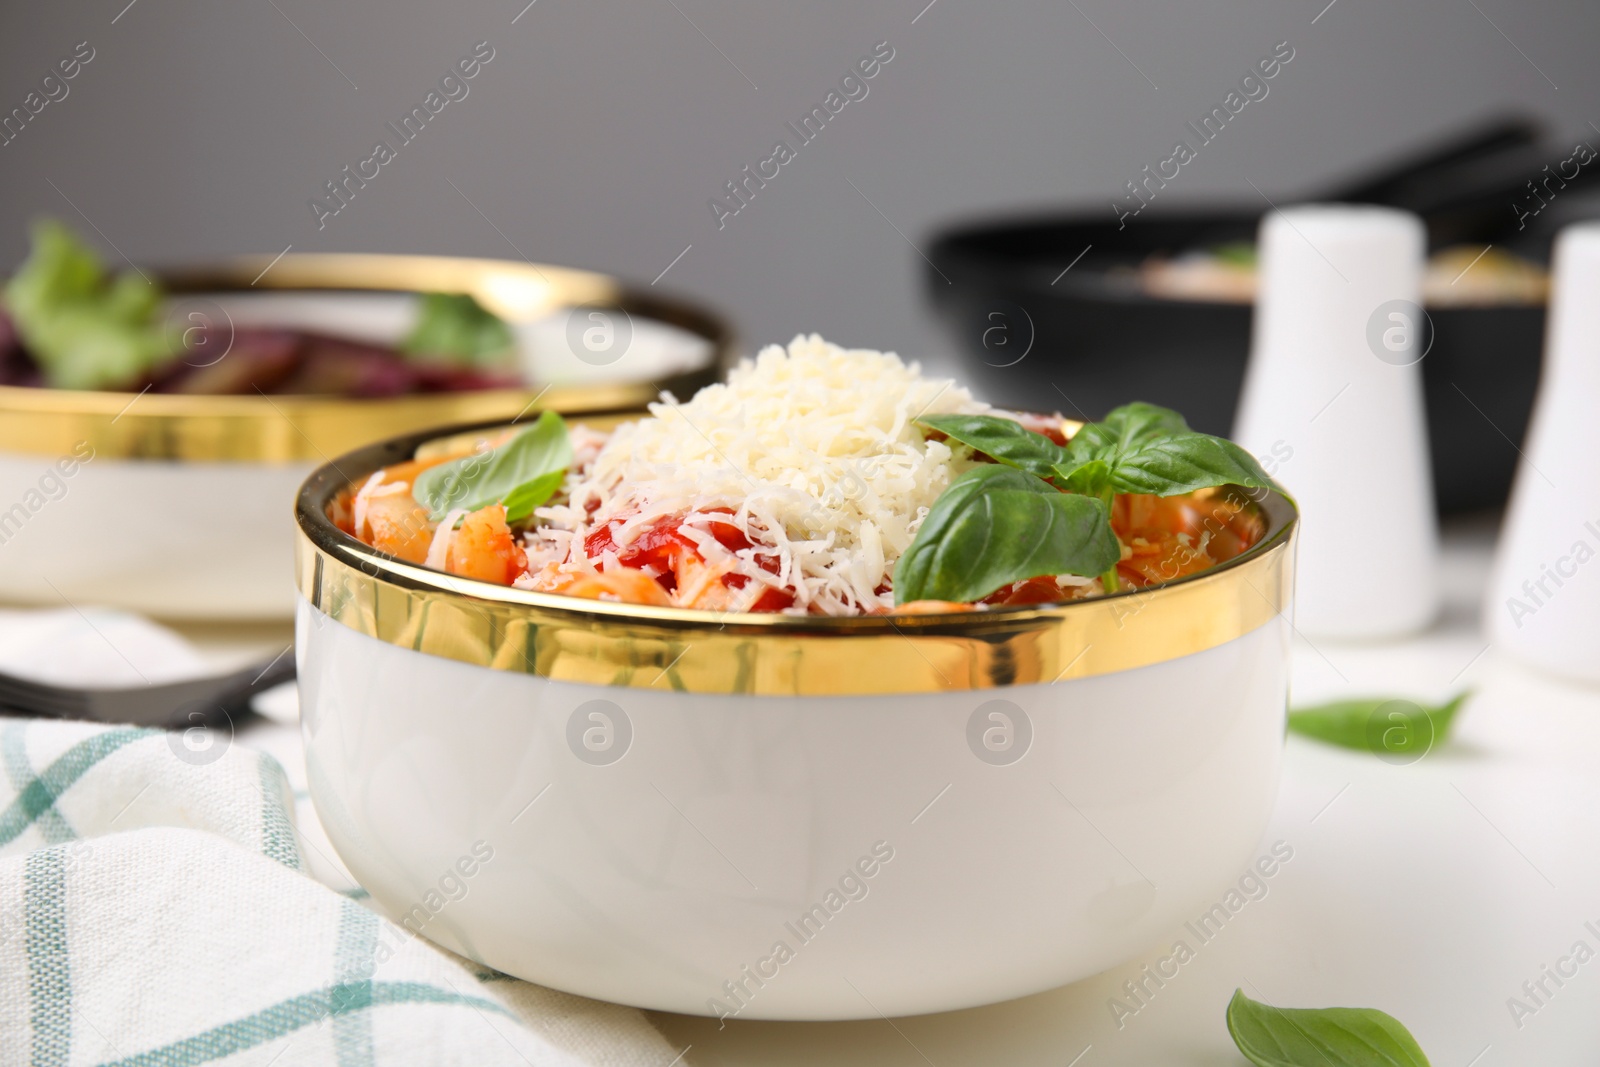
point(730, 537)
point(1041, 590)
point(770, 599)
point(1173, 537)
point(657, 546)
point(662, 544)
point(728, 534)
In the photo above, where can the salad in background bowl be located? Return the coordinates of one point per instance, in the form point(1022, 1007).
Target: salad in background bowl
point(1460, 276)
point(992, 699)
point(68, 322)
point(152, 423)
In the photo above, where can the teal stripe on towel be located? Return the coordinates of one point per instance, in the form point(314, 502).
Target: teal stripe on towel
point(19, 770)
point(49, 971)
point(74, 763)
point(277, 832)
point(290, 1015)
point(354, 961)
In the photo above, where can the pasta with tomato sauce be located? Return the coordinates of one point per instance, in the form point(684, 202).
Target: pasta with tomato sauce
point(797, 486)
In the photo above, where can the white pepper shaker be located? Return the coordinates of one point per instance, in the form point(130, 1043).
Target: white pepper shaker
point(1544, 593)
point(1332, 402)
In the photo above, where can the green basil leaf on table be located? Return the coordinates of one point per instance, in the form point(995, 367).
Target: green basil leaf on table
point(996, 525)
point(1003, 440)
point(455, 328)
point(514, 473)
point(1320, 1037)
point(1381, 725)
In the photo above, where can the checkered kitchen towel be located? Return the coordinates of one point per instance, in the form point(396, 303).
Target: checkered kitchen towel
point(154, 911)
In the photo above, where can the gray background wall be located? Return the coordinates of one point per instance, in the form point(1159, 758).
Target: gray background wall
point(600, 130)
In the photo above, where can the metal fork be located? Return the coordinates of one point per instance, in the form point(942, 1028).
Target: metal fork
point(197, 702)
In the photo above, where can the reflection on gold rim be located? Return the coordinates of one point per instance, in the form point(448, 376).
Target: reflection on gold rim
point(299, 429)
point(594, 642)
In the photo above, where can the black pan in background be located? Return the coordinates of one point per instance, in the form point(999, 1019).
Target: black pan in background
point(1093, 340)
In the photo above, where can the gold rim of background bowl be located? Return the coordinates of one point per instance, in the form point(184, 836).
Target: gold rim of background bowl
point(295, 429)
point(593, 642)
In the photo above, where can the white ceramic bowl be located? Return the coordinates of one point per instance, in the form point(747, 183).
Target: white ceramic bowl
point(174, 505)
point(780, 818)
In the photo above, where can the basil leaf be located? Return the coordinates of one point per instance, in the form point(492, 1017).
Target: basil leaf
point(1091, 479)
point(1004, 440)
point(1314, 1037)
point(455, 328)
point(996, 525)
point(1185, 462)
point(1142, 448)
point(508, 473)
point(1379, 725)
point(521, 501)
point(1123, 429)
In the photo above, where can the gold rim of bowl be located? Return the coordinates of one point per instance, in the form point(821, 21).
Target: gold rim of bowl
point(277, 429)
point(593, 642)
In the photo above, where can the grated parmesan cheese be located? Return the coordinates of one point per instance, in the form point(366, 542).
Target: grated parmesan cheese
point(814, 451)
point(439, 547)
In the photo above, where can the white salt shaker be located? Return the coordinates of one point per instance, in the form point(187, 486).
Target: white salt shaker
point(1544, 593)
point(1332, 404)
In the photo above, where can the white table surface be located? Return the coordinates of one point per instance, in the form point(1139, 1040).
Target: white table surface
point(1432, 891)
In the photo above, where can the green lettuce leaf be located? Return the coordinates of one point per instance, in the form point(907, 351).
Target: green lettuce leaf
point(86, 328)
point(455, 328)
